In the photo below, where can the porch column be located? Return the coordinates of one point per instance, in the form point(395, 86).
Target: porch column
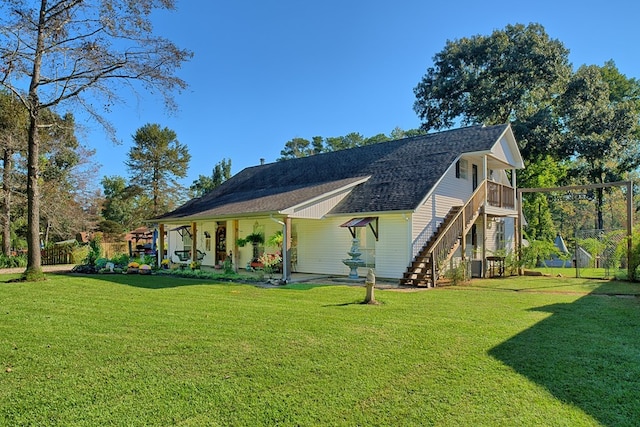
point(514, 185)
point(194, 243)
point(160, 249)
point(463, 236)
point(519, 224)
point(236, 253)
point(485, 171)
point(286, 248)
point(484, 244)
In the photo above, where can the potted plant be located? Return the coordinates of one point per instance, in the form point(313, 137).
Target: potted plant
point(144, 269)
point(255, 239)
point(133, 267)
point(270, 262)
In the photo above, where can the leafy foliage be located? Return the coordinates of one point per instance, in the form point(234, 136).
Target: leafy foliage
point(511, 75)
point(301, 147)
point(537, 252)
point(95, 250)
point(58, 52)
point(204, 184)
point(572, 127)
point(12, 261)
point(155, 161)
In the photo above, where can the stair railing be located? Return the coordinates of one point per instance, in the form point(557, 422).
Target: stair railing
point(446, 241)
point(424, 236)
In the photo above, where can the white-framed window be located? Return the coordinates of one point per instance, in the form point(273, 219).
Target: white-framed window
point(500, 243)
point(462, 169)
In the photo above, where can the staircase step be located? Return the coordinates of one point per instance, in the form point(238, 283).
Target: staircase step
point(419, 272)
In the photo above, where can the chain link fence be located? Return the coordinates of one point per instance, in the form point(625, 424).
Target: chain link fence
point(600, 254)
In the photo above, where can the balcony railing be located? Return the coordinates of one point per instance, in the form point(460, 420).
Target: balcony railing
point(500, 196)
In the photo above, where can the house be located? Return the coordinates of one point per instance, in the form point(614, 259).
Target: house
point(406, 208)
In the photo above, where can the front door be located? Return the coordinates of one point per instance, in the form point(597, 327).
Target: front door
point(221, 243)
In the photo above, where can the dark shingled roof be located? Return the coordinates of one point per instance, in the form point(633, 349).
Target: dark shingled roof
point(400, 172)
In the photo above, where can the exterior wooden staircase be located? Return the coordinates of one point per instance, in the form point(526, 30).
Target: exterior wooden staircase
point(449, 235)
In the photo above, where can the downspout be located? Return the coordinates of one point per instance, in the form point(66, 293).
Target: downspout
point(285, 255)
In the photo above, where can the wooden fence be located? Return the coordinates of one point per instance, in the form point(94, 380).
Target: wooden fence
point(57, 255)
point(64, 254)
point(111, 249)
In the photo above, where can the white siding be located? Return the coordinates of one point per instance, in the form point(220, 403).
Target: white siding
point(393, 246)
point(210, 227)
point(451, 191)
point(322, 245)
point(319, 209)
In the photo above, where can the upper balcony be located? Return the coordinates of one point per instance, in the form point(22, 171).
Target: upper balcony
point(500, 198)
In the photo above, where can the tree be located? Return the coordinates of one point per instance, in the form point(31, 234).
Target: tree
point(301, 147)
point(124, 204)
point(602, 127)
point(513, 75)
point(546, 172)
point(295, 148)
point(13, 121)
point(317, 144)
point(350, 140)
point(381, 137)
point(79, 51)
point(221, 172)
point(204, 184)
point(156, 159)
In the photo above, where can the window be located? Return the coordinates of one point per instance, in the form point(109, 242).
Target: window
point(461, 169)
point(500, 243)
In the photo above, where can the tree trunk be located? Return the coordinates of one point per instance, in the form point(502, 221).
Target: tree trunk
point(6, 201)
point(34, 268)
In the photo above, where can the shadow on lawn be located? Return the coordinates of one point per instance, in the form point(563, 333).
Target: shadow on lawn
point(586, 354)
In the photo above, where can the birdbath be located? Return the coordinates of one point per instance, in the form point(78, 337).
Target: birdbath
point(355, 260)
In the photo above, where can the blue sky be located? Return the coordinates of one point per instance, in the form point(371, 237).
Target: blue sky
point(265, 71)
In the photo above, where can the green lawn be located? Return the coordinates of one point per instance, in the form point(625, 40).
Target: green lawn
point(155, 350)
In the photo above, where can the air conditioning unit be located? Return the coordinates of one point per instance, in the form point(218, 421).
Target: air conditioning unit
point(476, 268)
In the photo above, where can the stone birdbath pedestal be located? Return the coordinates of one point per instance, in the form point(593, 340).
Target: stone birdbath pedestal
point(355, 260)
point(370, 284)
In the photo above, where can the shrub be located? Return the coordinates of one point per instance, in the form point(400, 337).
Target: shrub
point(80, 254)
point(458, 274)
point(537, 252)
point(228, 266)
point(120, 260)
point(148, 259)
point(95, 249)
point(13, 261)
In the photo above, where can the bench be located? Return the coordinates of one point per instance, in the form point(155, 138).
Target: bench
point(184, 256)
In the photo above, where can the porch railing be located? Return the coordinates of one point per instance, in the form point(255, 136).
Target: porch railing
point(500, 195)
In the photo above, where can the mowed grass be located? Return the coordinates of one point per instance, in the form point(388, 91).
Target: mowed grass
point(146, 351)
